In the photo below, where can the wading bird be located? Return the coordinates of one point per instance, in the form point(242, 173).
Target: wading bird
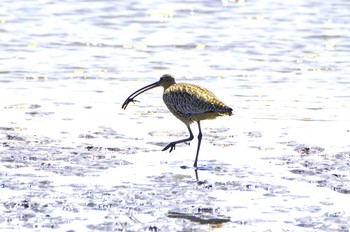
point(189, 103)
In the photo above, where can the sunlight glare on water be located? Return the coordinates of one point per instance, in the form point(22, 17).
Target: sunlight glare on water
point(72, 159)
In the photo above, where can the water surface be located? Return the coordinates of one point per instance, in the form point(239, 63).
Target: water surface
point(72, 159)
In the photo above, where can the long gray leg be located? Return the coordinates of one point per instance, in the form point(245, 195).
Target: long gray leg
point(199, 144)
point(172, 144)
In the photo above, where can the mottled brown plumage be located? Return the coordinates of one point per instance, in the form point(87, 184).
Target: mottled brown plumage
point(192, 103)
point(189, 103)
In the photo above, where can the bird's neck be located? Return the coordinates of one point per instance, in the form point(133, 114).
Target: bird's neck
point(167, 85)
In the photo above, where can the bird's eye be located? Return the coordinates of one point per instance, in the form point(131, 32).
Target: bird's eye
point(162, 78)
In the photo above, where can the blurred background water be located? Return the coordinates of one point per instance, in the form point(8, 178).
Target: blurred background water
point(67, 66)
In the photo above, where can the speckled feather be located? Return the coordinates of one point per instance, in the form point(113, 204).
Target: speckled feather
point(191, 103)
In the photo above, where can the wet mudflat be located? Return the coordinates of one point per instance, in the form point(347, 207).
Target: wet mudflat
point(72, 160)
point(45, 185)
point(112, 175)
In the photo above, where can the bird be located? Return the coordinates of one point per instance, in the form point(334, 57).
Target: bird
point(187, 102)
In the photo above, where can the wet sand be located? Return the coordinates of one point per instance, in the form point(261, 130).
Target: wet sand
point(98, 167)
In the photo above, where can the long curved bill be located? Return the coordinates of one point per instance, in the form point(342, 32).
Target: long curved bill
point(138, 92)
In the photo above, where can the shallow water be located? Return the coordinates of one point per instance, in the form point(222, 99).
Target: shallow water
point(72, 159)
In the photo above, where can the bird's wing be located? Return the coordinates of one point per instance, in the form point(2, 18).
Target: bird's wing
point(192, 99)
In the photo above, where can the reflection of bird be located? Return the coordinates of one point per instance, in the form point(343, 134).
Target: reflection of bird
point(189, 103)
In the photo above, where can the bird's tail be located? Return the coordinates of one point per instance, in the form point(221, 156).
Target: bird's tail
point(227, 111)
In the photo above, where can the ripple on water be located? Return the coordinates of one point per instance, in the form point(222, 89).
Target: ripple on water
point(72, 160)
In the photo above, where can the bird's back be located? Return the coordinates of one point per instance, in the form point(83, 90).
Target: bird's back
point(192, 103)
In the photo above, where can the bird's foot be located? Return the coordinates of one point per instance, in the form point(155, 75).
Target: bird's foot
point(171, 146)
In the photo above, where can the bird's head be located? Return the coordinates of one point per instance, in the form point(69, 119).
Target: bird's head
point(166, 80)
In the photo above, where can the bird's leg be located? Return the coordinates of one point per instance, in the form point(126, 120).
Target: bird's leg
point(172, 144)
point(199, 144)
